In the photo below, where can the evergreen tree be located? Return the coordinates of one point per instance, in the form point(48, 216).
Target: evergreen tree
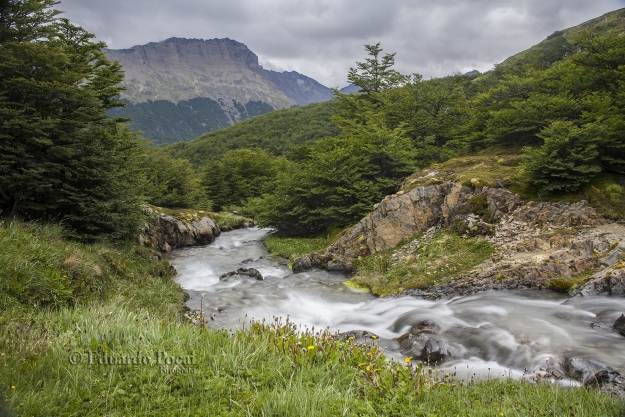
point(240, 174)
point(63, 157)
point(376, 73)
point(567, 159)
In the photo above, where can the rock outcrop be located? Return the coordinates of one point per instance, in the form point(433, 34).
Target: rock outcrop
point(539, 244)
point(401, 216)
point(165, 232)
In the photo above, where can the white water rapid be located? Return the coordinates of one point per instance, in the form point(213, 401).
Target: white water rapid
point(494, 333)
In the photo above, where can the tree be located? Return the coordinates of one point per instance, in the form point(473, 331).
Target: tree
point(240, 174)
point(376, 73)
point(567, 159)
point(63, 157)
point(172, 182)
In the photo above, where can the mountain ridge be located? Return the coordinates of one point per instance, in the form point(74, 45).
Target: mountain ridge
point(222, 72)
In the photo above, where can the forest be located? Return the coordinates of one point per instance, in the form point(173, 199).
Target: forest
point(561, 111)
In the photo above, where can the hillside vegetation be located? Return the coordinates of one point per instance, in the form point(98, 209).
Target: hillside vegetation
point(166, 122)
point(562, 42)
point(276, 132)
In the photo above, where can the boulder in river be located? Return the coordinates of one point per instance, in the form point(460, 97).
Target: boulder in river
point(250, 272)
point(608, 381)
point(434, 352)
point(582, 368)
point(425, 326)
point(619, 325)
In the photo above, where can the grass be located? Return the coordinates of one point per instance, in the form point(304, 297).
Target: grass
point(293, 247)
point(228, 221)
point(421, 263)
point(564, 284)
point(53, 359)
point(484, 168)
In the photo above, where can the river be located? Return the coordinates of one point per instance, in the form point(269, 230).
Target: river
point(513, 333)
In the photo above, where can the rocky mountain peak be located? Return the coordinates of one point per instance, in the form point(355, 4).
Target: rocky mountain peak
point(222, 73)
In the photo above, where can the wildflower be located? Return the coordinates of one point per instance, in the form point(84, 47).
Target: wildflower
point(501, 414)
point(408, 359)
point(199, 317)
point(368, 368)
point(351, 338)
point(374, 336)
point(376, 369)
point(311, 347)
point(12, 386)
point(362, 363)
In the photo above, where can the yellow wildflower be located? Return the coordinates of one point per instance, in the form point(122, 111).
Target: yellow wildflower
point(351, 338)
point(374, 336)
point(362, 363)
point(12, 386)
point(368, 368)
point(408, 359)
point(311, 347)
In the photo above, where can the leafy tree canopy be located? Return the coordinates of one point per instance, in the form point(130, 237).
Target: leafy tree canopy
point(62, 156)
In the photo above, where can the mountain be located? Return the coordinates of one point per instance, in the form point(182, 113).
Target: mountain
point(279, 131)
point(561, 43)
point(179, 88)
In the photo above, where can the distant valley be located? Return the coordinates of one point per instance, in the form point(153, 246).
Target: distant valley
point(179, 89)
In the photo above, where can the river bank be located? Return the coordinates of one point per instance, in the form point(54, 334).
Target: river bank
point(530, 334)
point(53, 358)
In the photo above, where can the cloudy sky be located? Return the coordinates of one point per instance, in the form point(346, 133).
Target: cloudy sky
point(324, 38)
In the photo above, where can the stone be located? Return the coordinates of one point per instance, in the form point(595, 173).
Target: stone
point(434, 352)
point(581, 368)
point(357, 335)
point(165, 248)
point(619, 325)
point(426, 325)
point(302, 264)
point(613, 257)
point(163, 229)
point(250, 272)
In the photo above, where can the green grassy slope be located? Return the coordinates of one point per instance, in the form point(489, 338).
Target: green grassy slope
point(276, 132)
point(560, 43)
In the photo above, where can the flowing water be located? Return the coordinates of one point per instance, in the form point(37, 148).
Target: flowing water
point(515, 333)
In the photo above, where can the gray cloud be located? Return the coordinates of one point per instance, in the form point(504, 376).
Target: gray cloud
point(324, 38)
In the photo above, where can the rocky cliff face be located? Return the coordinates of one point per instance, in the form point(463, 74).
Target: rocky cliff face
point(181, 69)
point(535, 241)
point(223, 71)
